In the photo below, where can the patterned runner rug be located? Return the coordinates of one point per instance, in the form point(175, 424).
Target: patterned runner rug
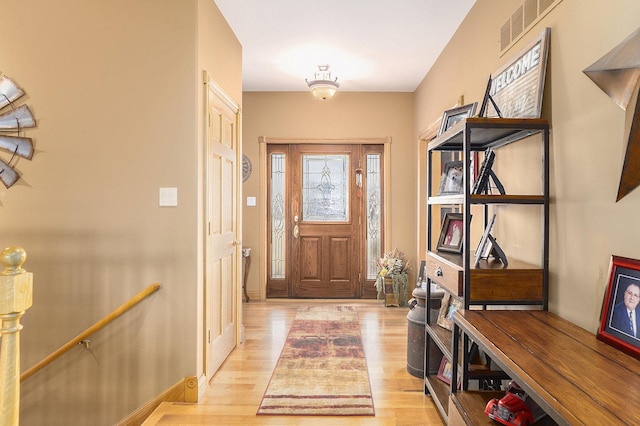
point(322, 370)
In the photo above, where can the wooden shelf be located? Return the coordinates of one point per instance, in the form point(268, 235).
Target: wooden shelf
point(534, 348)
point(471, 404)
point(439, 392)
point(487, 133)
point(456, 199)
point(507, 199)
point(442, 337)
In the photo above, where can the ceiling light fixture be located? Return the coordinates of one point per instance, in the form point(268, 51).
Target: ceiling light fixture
point(322, 86)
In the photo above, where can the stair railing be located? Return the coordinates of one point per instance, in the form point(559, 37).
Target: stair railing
point(81, 338)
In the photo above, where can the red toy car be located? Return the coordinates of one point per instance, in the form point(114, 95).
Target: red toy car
point(511, 409)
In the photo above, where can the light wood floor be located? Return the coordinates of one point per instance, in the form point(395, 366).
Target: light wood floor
point(236, 390)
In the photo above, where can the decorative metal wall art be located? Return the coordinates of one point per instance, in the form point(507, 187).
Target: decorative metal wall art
point(617, 73)
point(246, 167)
point(13, 120)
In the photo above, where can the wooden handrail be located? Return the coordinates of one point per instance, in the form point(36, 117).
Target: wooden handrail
point(91, 330)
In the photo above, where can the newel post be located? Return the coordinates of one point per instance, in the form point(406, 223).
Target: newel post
point(16, 296)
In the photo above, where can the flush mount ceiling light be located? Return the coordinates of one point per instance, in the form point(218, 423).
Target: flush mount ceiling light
point(322, 86)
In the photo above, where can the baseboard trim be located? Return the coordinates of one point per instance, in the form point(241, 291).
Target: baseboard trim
point(203, 383)
point(190, 389)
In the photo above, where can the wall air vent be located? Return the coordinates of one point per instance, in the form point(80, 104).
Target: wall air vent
point(522, 20)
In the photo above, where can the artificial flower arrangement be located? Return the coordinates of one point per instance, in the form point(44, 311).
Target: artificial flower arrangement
point(393, 265)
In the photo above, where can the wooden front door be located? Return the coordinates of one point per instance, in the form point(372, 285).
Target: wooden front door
point(325, 212)
point(325, 219)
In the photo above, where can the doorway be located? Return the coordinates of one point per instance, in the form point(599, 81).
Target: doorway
point(325, 219)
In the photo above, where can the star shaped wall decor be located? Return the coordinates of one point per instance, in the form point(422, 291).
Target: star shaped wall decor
point(618, 73)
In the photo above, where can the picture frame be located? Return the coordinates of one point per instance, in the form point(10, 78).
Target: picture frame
point(484, 246)
point(482, 183)
point(451, 233)
point(449, 305)
point(622, 294)
point(445, 371)
point(452, 178)
point(518, 86)
point(486, 175)
point(455, 115)
point(488, 98)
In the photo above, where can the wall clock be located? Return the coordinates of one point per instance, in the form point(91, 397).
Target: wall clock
point(246, 167)
point(13, 120)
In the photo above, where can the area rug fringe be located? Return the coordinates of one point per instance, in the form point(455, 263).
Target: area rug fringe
point(322, 370)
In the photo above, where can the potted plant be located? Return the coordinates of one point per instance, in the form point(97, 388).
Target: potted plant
point(392, 280)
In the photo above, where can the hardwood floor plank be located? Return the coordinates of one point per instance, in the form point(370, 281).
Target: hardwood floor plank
point(236, 390)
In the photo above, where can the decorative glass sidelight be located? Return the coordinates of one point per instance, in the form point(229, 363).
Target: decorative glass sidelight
point(374, 223)
point(278, 216)
point(325, 188)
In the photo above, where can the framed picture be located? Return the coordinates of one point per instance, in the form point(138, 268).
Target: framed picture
point(422, 272)
point(519, 93)
point(448, 307)
point(482, 183)
point(620, 319)
point(452, 176)
point(455, 115)
point(484, 246)
point(445, 372)
point(451, 233)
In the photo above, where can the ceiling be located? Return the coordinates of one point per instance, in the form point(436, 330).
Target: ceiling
point(371, 45)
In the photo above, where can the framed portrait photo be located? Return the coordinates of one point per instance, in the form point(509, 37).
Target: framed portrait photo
point(451, 233)
point(620, 318)
point(455, 115)
point(448, 307)
point(452, 178)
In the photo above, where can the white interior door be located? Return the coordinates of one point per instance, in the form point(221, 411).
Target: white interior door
point(223, 251)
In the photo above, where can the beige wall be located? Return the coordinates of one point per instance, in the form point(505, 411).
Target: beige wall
point(348, 115)
point(587, 147)
point(220, 57)
point(116, 88)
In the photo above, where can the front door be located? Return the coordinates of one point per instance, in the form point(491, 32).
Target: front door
point(326, 216)
point(321, 204)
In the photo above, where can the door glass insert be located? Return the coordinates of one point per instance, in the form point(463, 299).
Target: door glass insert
point(374, 224)
point(278, 216)
point(325, 188)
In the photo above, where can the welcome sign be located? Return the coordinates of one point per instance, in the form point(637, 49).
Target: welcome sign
point(517, 88)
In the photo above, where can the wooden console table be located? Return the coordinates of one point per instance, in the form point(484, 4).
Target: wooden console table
point(574, 377)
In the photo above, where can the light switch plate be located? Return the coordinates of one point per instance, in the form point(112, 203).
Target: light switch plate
point(168, 197)
point(251, 201)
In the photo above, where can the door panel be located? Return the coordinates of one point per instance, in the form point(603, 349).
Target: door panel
point(311, 256)
point(326, 250)
point(222, 249)
point(338, 262)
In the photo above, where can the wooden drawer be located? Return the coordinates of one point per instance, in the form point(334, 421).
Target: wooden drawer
point(446, 273)
point(508, 285)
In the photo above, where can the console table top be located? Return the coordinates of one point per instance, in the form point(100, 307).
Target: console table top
point(576, 378)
